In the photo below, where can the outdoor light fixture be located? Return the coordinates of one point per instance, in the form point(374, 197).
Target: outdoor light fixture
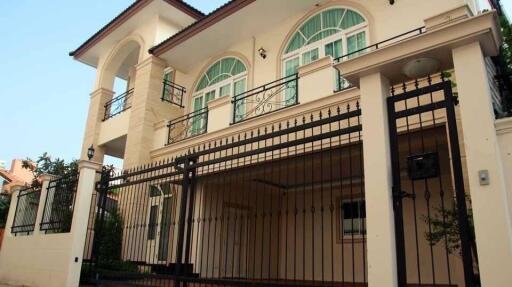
point(420, 67)
point(90, 152)
point(263, 53)
point(391, 2)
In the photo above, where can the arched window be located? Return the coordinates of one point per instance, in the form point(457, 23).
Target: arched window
point(228, 76)
point(332, 32)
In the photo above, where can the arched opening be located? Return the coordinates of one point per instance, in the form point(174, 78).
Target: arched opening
point(225, 77)
point(334, 32)
point(118, 75)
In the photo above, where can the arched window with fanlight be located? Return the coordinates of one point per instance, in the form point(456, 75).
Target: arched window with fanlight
point(226, 77)
point(332, 32)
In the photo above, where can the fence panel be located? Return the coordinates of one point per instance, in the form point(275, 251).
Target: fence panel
point(59, 204)
point(26, 211)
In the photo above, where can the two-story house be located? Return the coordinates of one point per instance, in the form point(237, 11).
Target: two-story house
point(305, 142)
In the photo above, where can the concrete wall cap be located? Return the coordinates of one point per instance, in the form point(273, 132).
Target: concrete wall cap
point(89, 164)
point(503, 126)
point(320, 64)
point(219, 102)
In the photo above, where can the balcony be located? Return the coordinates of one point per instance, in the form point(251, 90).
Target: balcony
point(265, 99)
point(173, 93)
point(187, 126)
point(118, 104)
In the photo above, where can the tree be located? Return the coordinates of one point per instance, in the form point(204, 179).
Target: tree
point(46, 165)
point(4, 209)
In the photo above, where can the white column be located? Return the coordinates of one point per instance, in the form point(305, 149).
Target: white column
point(378, 182)
point(491, 212)
point(85, 189)
point(15, 191)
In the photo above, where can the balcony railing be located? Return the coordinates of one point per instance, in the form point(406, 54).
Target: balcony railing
point(382, 44)
point(188, 126)
point(265, 99)
point(118, 104)
point(173, 93)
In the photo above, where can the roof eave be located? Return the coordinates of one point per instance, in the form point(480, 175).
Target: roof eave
point(127, 14)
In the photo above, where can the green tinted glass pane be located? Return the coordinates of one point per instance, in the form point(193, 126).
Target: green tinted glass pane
point(198, 103)
point(203, 83)
point(226, 65)
point(350, 19)
point(296, 43)
point(214, 71)
point(239, 88)
point(310, 56)
point(225, 90)
point(334, 49)
point(219, 78)
point(291, 66)
point(355, 43)
point(209, 96)
point(331, 18)
point(238, 68)
point(311, 27)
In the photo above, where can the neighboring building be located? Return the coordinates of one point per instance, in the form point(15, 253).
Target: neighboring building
point(15, 176)
point(293, 143)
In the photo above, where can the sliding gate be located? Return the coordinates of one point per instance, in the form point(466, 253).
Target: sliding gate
point(434, 235)
point(280, 205)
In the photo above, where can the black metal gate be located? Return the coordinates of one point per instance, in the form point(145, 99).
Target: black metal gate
point(434, 234)
point(278, 205)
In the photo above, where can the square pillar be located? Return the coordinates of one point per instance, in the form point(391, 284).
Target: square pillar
point(147, 109)
point(378, 182)
point(84, 191)
point(490, 201)
point(95, 117)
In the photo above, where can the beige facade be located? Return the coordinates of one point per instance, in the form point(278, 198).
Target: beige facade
point(323, 209)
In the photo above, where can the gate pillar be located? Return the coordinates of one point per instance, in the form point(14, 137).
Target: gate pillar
point(85, 189)
point(378, 182)
point(490, 201)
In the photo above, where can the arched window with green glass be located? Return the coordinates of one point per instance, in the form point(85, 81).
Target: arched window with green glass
point(333, 32)
point(226, 77)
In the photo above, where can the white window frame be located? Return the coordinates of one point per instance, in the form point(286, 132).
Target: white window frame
point(217, 87)
point(320, 44)
point(361, 221)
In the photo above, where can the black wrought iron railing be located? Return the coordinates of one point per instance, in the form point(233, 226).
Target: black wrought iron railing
point(265, 99)
point(118, 104)
point(59, 204)
point(382, 44)
point(188, 126)
point(173, 93)
point(26, 211)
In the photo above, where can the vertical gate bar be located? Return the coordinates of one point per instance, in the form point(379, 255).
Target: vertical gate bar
point(338, 204)
point(397, 200)
point(191, 205)
point(181, 222)
point(462, 215)
point(103, 188)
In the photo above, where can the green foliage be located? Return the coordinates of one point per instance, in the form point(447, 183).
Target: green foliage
point(46, 165)
point(110, 244)
point(445, 228)
point(4, 209)
point(506, 51)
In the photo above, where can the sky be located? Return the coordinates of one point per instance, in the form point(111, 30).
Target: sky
point(44, 93)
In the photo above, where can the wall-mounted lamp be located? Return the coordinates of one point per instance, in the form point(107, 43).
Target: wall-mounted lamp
point(391, 2)
point(263, 53)
point(90, 152)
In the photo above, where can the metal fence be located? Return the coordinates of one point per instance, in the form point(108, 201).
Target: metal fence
point(187, 126)
point(173, 93)
point(5, 200)
point(26, 211)
point(59, 204)
point(278, 205)
point(118, 104)
point(267, 98)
